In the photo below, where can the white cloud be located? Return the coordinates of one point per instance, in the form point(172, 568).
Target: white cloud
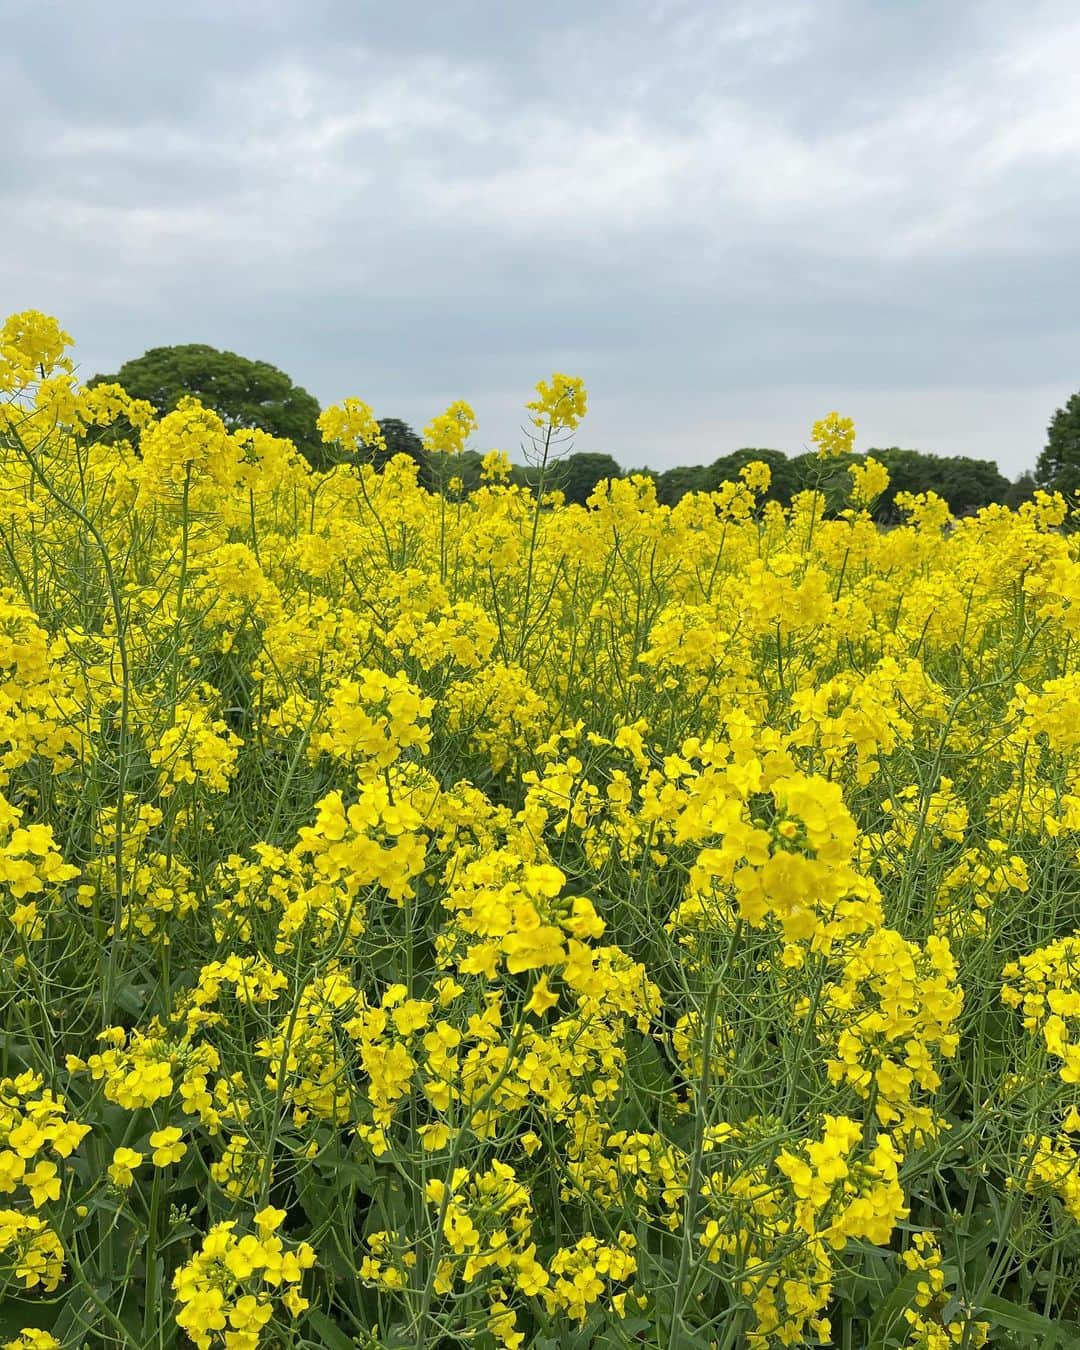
point(787, 195)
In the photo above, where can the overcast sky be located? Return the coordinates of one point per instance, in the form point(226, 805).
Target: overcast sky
point(729, 218)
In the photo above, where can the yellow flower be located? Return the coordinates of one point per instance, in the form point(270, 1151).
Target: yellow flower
point(541, 998)
point(12, 1170)
point(269, 1220)
point(833, 435)
point(43, 1183)
point(294, 1302)
point(30, 1338)
point(869, 481)
point(560, 403)
point(26, 1139)
point(167, 1146)
point(32, 346)
point(448, 433)
point(250, 1313)
point(434, 1137)
point(351, 425)
point(756, 475)
point(495, 466)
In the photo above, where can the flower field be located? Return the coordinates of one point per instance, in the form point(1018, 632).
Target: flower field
point(433, 921)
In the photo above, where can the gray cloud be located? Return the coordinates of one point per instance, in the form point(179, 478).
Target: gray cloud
point(728, 217)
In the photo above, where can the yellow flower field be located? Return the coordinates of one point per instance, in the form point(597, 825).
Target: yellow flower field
point(436, 921)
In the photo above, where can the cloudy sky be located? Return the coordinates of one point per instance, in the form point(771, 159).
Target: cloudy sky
point(728, 217)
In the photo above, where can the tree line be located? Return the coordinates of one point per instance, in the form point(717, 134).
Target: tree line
point(248, 393)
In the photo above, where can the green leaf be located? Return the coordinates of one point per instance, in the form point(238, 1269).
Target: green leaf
point(877, 1275)
point(318, 1199)
point(1000, 1312)
point(16, 1313)
point(889, 1328)
point(132, 998)
point(649, 1080)
point(362, 1173)
point(330, 1334)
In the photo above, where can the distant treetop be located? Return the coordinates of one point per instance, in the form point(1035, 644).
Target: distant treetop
point(1058, 469)
point(244, 393)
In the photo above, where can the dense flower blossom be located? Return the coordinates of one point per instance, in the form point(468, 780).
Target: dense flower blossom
point(448, 433)
point(560, 403)
point(477, 919)
point(833, 435)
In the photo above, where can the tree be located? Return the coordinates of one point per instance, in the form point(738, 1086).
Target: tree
point(242, 392)
point(644, 472)
point(1021, 490)
point(401, 440)
point(673, 484)
point(1058, 467)
point(969, 484)
point(785, 480)
point(442, 469)
point(966, 484)
point(907, 473)
point(578, 475)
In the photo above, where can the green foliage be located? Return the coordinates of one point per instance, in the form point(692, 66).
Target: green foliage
point(1058, 467)
point(644, 473)
point(966, 484)
point(401, 439)
point(786, 476)
point(1021, 490)
point(578, 474)
point(673, 484)
point(242, 392)
point(442, 468)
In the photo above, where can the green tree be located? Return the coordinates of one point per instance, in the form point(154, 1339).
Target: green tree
point(468, 466)
point(969, 484)
point(242, 392)
point(1058, 467)
point(1021, 490)
point(673, 484)
point(401, 440)
point(578, 474)
point(966, 484)
point(785, 480)
point(907, 473)
point(644, 472)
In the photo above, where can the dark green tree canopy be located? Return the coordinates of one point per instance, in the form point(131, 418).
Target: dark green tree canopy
point(966, 484)
point(673, 484)
point(1021, 490)
point(785, 480)
point(1058, 469)
point(970, 484)
point(242, 392)
point(578, 474)
point(401, 439)
point(468, 466)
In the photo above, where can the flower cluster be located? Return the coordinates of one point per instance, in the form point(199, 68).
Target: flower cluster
point(547, 923)
point(352, 426)
point(449, 433)
point(35, 1132)
point(560, 403)
point(835, 436)
point(228, 1289)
